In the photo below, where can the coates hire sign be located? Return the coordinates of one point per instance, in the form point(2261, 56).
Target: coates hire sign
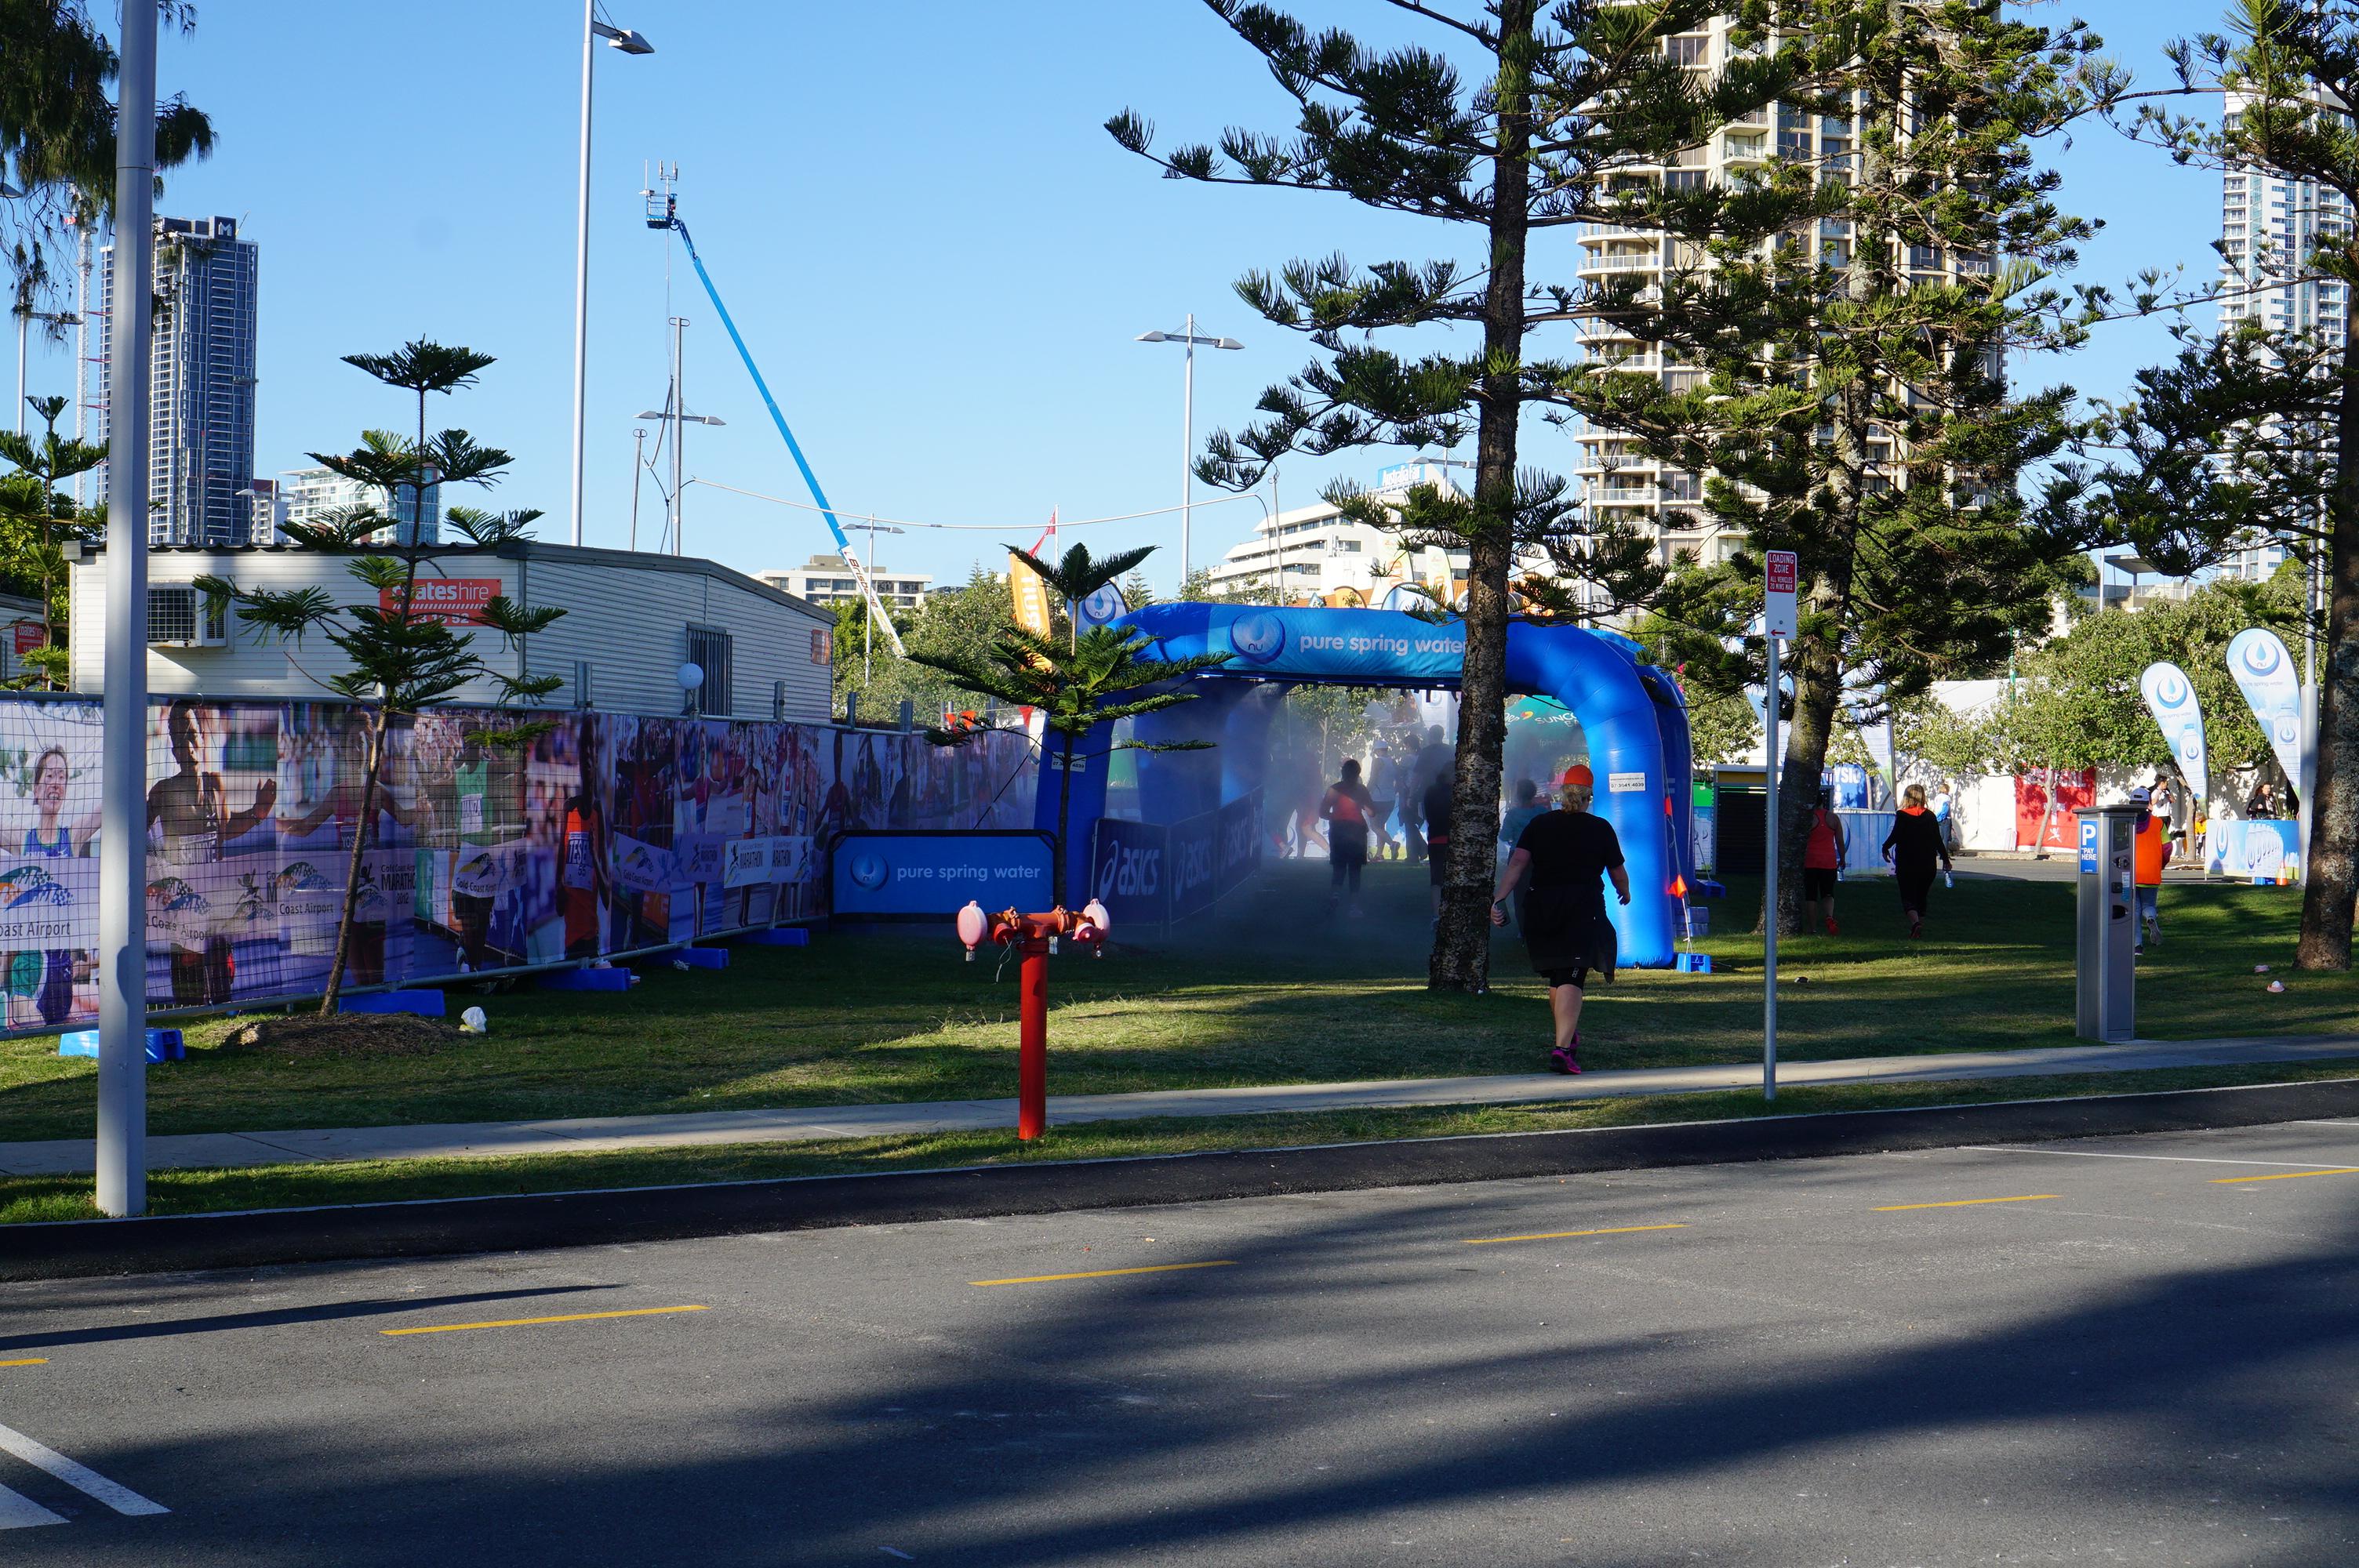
point(931, 876)
point(1340, 643)
point(455, 600)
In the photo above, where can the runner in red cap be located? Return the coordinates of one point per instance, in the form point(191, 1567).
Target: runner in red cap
point(1566, 928)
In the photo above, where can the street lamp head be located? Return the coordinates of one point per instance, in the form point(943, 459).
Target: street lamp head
point(1153, 338)
point(623, 38)
point(1228, 343)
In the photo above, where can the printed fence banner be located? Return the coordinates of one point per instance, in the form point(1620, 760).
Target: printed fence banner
point(494, 841)
point(2171, 697)
point(2044, 802)
point(2266, 847)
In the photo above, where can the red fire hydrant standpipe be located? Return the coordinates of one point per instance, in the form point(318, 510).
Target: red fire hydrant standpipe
point(1034, 937)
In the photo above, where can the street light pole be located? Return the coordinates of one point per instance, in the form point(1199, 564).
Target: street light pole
point(24, 330)
point(123, 807)
point(868, 621)
point(629, 42)
point(1187, 446)
point(1187, 339)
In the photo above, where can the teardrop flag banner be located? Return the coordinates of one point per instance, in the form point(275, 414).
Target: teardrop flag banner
point(2171, 697)
point(2264, 672)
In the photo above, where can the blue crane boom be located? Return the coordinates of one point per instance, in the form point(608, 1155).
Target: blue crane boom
point(668, 217)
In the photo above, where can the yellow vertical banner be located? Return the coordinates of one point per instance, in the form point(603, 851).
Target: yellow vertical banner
point(1031, 595)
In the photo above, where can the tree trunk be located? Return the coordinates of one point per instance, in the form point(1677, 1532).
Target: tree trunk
point(361, 833)
point(1818, 686)
point(2331, 878)
point(1461, 942)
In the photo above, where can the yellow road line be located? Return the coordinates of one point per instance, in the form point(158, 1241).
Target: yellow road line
point(1965, 1202)
point(1107, 1273)
point(1561, 1235)
point(531, 1322)
point(29, 1361)
point(2286, 1176)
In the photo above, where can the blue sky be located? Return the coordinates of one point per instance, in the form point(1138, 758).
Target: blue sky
point(936, 253)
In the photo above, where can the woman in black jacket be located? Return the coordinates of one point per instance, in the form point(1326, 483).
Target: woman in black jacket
point(1914, 845)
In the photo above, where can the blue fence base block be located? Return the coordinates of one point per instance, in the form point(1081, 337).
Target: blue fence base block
point(610, 979)
point(1695, 963)
point(778, 936)
point(163, 1045)
point(701, 958)
point(423, 1003)
point(1703, 887)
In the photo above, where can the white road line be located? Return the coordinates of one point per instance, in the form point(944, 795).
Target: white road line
point(80, 1477)
point(2180, 1159)
point(2318, 1124)
point(20, 1512)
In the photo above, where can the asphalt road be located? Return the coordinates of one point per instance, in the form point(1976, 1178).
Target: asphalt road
point(2126, 1351)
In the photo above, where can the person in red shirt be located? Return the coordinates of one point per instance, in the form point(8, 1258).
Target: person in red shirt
point(1348, 810)
point(1822, 854)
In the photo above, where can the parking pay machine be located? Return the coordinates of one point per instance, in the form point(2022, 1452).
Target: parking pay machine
point(2106, 990)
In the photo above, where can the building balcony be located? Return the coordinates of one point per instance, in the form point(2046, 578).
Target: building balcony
point(1619, 261)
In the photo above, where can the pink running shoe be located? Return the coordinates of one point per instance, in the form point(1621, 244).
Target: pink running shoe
point(1564, 1060)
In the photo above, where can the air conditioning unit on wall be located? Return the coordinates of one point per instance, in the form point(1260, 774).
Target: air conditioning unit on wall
point(178, 617)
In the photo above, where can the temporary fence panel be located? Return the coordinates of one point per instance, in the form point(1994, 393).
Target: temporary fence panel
point(497, 840)
point(1152, 873)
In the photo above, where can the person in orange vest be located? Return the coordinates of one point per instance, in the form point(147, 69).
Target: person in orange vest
point(2150, 851)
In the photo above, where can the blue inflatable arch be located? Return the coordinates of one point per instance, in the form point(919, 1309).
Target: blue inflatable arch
point(1631, 713)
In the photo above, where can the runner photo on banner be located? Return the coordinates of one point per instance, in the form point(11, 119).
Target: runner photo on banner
point(50, 758)
point(213, 927)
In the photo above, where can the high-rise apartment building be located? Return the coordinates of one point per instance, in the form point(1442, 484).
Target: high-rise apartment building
point(200, 438)
point(1621, 484)
point(312, 495)
point(830, 579)
point(2268, 225)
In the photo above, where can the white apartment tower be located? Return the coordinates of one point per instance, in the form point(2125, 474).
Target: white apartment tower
point(2267, 224)
point(1619, 483)
point(1314, 555)
point(200, 438)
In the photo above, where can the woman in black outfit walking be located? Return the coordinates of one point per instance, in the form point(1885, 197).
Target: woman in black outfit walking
point(1913, 847)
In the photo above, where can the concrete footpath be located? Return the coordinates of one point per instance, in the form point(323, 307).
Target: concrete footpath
point(72, 1156)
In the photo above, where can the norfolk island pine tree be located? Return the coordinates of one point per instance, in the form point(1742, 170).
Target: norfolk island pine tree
point(36, 516)
point(399, 662)
point(1855, 410)
point(1569, 92)
point(2252, 433)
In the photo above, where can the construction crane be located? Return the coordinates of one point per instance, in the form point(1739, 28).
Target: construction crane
point(663, 213)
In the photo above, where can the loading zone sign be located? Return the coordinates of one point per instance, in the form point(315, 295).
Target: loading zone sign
point(1779, 582)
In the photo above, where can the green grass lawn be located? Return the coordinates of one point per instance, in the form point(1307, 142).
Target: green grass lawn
point(24, 1199)
point(1271, 993)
